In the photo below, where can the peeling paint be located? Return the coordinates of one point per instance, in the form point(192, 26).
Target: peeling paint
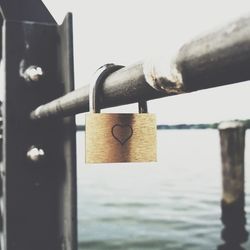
point(163, 75)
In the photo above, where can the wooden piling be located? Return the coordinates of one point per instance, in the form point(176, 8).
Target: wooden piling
point(232, 140)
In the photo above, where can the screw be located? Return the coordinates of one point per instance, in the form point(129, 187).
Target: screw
point(33, 73)
point(35, 154)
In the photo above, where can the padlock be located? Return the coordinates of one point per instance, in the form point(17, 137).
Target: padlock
point(113, 137)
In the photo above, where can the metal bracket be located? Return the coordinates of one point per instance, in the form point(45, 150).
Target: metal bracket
point(38, 167)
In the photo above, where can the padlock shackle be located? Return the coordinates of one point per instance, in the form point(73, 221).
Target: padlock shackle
point(95, 87)
point(143, 107)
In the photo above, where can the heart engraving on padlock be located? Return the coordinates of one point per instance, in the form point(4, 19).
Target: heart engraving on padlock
point(122, 132)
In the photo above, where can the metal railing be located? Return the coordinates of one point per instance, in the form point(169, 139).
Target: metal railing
point(219, 58)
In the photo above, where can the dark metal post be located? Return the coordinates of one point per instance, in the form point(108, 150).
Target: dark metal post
point(232, 139)
point(38, 167)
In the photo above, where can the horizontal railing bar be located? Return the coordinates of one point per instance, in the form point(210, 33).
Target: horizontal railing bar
point(218, 58)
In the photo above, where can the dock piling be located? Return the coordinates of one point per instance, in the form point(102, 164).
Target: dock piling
point(232, 140)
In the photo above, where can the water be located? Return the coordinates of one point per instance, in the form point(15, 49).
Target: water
point(173, 204)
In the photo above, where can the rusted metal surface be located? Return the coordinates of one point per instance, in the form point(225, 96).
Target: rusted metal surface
point(163, 75)
point(219, 58)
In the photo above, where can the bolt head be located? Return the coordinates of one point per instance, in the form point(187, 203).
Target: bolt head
point(33, 73)
point(35, 154)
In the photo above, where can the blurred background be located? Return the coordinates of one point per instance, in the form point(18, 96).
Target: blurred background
point(174, 203)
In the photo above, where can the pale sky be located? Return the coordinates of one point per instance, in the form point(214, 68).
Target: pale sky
point(126, 31)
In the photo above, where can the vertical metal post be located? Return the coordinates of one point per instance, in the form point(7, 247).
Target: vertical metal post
point(232, 139)
point(38, 167)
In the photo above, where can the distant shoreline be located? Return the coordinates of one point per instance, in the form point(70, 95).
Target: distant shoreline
point(181, 126)
point(188, 126)
point(172, 127)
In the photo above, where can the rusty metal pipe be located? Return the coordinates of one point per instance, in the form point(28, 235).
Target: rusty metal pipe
point(219, 58)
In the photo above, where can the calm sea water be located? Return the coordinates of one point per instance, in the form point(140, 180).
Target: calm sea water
point(173, 204)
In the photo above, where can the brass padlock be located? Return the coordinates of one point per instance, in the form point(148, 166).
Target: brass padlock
point(116, 137)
